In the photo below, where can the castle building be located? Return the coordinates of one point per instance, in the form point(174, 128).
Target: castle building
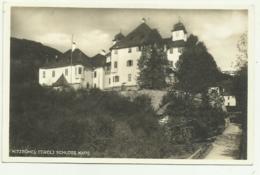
point(117, 69)
point(64, 71)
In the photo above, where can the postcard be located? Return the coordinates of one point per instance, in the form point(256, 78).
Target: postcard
point(120, 84)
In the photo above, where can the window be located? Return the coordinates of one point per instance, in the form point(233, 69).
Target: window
point(115, 52)
point(129, 50)
point(129, 77)
point(53, 73)
point(138, 48)
point(43, 74)
point(116, 78)
point(109, 81)
point(66, 72)
point(95, 74)
point(171, 63)
point(95, 85)
point(88, 85)
point(129, 63)
point(80, 70)
point(171, 50)
point(115, 64)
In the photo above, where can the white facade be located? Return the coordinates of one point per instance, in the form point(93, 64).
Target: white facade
point(229, 100)
point(76, 74)
point(124, 68)
point(179, 35)
point(122, 72)
point(173, 55)
point(98, 78)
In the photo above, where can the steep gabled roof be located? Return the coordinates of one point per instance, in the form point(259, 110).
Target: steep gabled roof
point(141, 35)
point(98, 60)
point(78, 57)
point(61, 82)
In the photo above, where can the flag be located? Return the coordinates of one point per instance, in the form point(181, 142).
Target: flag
point(73, 47)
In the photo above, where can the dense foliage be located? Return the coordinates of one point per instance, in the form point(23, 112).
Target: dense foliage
point(192, 119)
point(196, 68)
point(104, 123)
point(153, 67)
point(240, 88)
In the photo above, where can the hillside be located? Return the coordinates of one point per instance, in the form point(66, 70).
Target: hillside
point(155, 95)
point(26, 58)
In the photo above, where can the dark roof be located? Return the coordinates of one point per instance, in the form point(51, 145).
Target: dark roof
point(179, 26)
point(61, 82)
point(98, 60)
point(142, 35)
point(169, 43)
point(78, 57)
point(108, 54)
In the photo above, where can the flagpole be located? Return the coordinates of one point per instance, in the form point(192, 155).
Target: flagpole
point(71, 59)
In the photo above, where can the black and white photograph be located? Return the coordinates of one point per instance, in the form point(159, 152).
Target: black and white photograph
point(128, 84)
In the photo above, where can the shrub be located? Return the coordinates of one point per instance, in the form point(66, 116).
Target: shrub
point(104, 123)
point(188, 121)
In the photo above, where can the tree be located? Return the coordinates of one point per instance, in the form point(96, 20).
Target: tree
point(152, 65)
point(196, 69)
point(241, 89)
point(242, 51)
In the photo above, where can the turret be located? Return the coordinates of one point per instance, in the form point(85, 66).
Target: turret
point(179, 32)
point(118, 37)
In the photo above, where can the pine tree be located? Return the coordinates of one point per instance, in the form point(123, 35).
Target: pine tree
point(152, 65)
point(196, 67)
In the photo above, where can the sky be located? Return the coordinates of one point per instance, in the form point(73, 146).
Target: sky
point(94, 29)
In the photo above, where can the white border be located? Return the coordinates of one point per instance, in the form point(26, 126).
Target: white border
point(158, 5)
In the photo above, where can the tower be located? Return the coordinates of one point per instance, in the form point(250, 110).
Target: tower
point(179, 32)
point(118, 37)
